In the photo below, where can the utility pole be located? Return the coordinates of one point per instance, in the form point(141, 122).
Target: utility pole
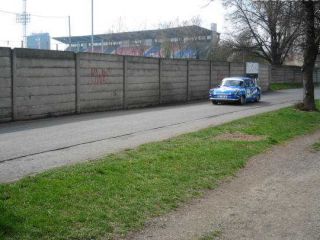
point(69, 23)
point(24, 19)
point(91, 25)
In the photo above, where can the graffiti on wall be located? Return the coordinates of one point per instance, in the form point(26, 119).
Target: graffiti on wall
point(99, 76)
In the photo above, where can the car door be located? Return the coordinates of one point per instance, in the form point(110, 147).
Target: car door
point(247, 88)
point(254, 89)
point(250, 88)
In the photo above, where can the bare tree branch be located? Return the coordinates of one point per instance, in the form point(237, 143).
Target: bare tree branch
point(274, 25)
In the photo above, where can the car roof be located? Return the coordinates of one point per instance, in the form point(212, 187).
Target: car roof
point(237, 78)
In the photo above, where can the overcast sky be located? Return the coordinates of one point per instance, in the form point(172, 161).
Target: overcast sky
point(124, 15)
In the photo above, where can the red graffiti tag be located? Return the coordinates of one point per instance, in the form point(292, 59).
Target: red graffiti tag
point(99, 76)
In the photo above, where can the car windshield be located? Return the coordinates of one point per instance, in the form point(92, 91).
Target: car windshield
point(232, 83)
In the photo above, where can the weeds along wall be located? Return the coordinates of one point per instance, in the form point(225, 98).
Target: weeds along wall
point(38, 83)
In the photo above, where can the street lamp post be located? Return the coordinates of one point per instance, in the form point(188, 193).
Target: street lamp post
point(91, 25)
point(69, 25)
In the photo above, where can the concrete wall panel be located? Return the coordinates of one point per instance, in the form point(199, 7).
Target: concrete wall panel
point(237, 69)
point(49, 81)
point(286, 74)
point(142, 82)
point(199, 79)
point(100, 80)
point(219, 71)
point(174, 85)
point(263, 81)
point(44, 110)
point(44, 83)
point(5, 85)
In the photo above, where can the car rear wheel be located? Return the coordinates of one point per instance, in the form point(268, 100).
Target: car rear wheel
point(258, 97)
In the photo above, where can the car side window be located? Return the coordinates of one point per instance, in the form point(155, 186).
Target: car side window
point(246, 83)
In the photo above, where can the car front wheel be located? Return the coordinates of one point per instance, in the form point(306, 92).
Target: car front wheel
point(242, 100)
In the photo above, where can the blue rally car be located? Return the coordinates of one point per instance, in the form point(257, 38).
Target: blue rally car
point(236, 89)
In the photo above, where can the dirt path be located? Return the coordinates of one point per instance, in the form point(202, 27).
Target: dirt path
point(277, 196)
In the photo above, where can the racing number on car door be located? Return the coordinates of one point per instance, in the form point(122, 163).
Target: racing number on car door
point(248, 89)
point(252, 88)
point(248, 92)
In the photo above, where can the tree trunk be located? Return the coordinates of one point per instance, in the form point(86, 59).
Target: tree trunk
point(310, 55)
point(308, 88)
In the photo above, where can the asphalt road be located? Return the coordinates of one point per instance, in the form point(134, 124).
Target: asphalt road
point(33, 146)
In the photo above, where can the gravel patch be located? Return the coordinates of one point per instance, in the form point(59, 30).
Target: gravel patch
point(238, 136)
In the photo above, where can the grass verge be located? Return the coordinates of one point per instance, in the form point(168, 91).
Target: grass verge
point(211, 236)
point(283, 86)
point(109, 197)
point(316, 146)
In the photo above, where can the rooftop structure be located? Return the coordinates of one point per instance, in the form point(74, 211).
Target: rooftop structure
point(179, 42)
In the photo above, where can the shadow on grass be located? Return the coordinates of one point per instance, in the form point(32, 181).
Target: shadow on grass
point(9, 221)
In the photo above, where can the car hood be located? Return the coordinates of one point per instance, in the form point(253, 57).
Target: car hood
point(226, 90)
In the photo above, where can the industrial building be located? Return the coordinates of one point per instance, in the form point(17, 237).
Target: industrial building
point(179, 42)
point(39, 41)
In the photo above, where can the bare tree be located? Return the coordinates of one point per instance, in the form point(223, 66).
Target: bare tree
point(311, 50)
point(236, 48)
point(200, 47)
point(273, 25)
point(221, 53)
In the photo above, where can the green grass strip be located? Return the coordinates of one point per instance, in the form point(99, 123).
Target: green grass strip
point(283, 86)
point(316, 146)
point(109, 197)
point(212, 235)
